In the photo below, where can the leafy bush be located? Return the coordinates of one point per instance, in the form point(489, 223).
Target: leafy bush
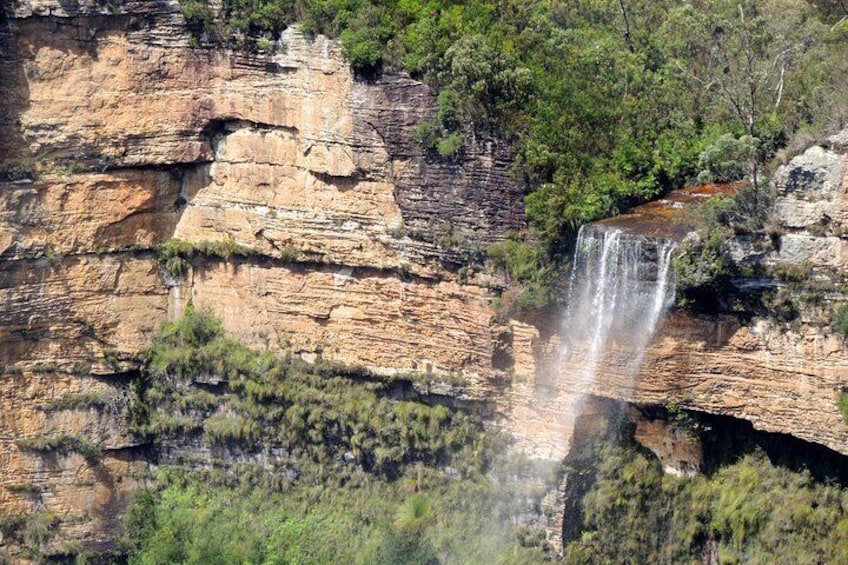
point(24, 488)
point(222, 429)
point(781, 305)
point(728, 159)
point(840, 320)
point(172, 256)
point(76, 401)
point(793, 273)
point(842, 403)
point(753, 511)
point(450, 145)
point(17, 170)
point(199, 17)
point(702, 266)
point(62, 444)
point(290, 254)
point(443, 135)
point(175, 254)
point(528, 272)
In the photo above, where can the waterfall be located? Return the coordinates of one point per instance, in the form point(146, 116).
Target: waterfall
point(619, 289)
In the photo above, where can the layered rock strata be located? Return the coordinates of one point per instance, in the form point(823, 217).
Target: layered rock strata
point(784, 373)
point(116, 136)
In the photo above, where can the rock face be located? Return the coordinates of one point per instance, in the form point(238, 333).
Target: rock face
point(116, 136)
point(782, 375)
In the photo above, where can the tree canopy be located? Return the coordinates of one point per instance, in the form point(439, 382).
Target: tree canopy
point(607, 102)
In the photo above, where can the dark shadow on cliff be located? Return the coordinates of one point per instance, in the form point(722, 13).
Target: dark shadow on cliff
point(14, 101)
point(729, 439)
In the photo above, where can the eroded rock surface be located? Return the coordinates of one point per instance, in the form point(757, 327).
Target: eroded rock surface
point(783, 375)
point(116, 136)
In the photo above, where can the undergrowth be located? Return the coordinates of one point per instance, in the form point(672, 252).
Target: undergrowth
point(357, 475)
point(748, 510)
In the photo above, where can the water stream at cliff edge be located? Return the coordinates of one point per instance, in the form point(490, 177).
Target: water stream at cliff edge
point(620, 287)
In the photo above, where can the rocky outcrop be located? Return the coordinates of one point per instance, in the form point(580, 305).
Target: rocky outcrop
point(782, 374)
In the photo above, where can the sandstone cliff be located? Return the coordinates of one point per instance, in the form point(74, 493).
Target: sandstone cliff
point(783, 375)
point(116, 136)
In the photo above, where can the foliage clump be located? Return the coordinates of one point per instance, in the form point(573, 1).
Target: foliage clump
point(840, 320)
point(17, 170)
point(76, 401)
point(62, 444)
point(323, 411)
point(703, 264)
point(175, 254)
point(748, 511)
point(530, 275)
point(842, 403)
point(32, 531)
point(359, 475)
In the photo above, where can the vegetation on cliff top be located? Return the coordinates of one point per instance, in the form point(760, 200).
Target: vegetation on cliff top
point(607, 103)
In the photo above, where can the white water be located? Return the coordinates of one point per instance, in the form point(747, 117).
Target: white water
point(620, 287)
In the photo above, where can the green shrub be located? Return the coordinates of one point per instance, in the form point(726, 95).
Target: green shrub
point(176, 254)
point(62, 444)
point(82, 368)
point(728, 158)
point(223, 248)
point(198, 15)
point(840, 320)
point(528, 271)
point(39, 528)
point(17, 170)
point(112, 358)
point(76, 401)
point(842, 403)
point(753, 510)
point(444, 134)
point(781, 305)
point(450, 145)
point(793, 273)
point(290, 254)
point(266, 44)
point(172, 255)
point(24, 488)
point(222, 429)
point(703, 264)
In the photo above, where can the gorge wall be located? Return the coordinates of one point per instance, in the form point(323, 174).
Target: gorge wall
point(117, 136)
point(783, 373)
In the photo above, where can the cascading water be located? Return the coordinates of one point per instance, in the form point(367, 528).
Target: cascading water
point(620, 287)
